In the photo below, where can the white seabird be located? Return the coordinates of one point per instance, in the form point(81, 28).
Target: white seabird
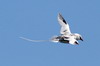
point(65, 30)
point(66, 35)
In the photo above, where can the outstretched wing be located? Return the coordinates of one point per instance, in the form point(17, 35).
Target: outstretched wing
point(64, 25)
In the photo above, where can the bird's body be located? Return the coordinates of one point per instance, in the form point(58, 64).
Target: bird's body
point(66, 40)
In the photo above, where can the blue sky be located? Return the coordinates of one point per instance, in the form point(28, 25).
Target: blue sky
point(37, 19)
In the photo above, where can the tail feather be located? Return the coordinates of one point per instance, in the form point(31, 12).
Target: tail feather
point(34, 40)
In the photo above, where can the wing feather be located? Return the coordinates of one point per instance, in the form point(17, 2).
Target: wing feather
point(64, 25)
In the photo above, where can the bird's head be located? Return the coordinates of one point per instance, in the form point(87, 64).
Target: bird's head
point(78, 37)
point(74, 42)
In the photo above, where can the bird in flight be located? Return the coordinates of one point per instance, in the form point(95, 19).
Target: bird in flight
point(65, 34)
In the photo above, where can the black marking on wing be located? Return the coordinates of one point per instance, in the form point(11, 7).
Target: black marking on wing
point(65, 31)
point(64, 41)
point(61, 17)
point(64, 21)
point(59, 37)
point(66, 37)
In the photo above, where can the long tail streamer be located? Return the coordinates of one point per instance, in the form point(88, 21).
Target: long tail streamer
point(34, 40)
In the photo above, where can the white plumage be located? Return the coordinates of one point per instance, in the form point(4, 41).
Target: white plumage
point(64, 25)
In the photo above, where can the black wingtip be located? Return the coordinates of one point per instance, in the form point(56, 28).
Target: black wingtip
point(61, 17)
point(59, 14)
